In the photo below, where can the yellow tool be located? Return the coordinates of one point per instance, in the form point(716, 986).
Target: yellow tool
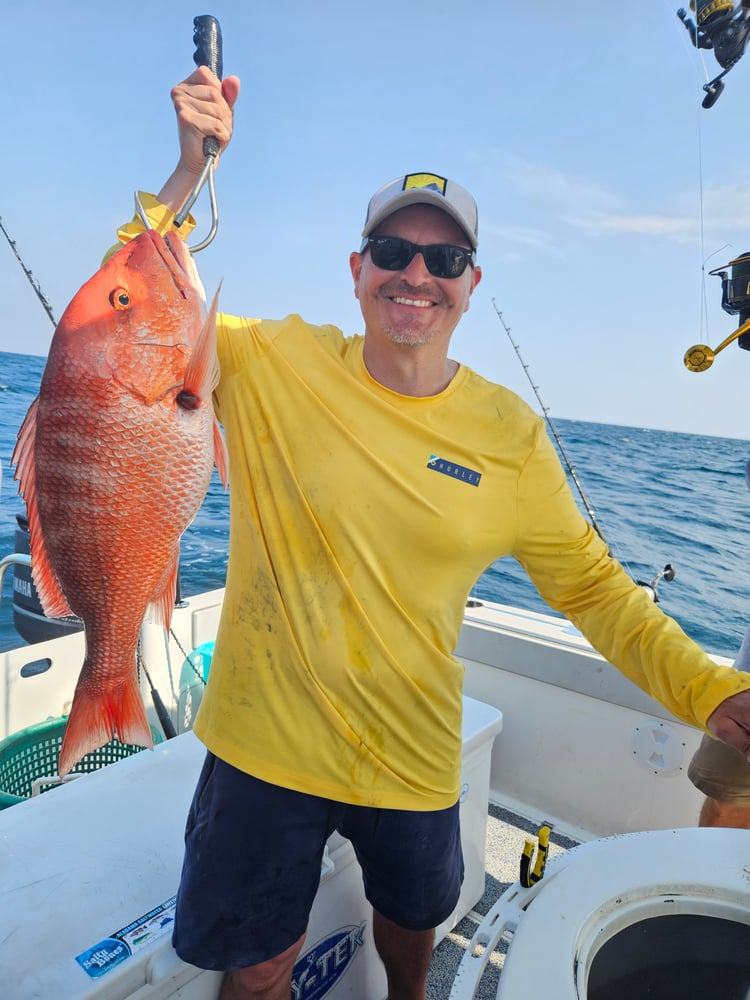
point(529, 876)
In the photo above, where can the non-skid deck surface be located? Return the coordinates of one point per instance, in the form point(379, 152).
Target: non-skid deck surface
point(506, 834)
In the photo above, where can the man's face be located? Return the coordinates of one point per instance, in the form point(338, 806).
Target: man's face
point(412, 307)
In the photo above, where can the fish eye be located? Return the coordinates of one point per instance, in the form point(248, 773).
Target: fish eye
point(120, 298)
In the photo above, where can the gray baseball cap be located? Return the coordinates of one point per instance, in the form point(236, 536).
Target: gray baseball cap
point(424, 189)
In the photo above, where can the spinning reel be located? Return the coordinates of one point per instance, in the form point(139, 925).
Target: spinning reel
point(735, 299)
point(724, 29)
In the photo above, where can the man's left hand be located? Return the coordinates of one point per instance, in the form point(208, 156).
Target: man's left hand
point(730, 722)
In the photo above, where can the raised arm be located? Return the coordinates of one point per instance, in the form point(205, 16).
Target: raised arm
point(204, 107)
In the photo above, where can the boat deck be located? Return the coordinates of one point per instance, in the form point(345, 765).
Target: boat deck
point(506, 834)
point(513, 659)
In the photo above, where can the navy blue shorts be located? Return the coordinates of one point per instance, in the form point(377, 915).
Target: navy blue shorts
point(253, 854)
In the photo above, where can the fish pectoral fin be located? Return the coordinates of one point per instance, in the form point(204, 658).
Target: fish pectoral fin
point(48, 588)
point(97, 716)
point(202, 377)
point(202, 372)
point(221, 458)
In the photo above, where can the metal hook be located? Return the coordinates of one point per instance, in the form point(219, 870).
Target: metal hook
point(208, 171)
point(208, 52)
point(140, 211)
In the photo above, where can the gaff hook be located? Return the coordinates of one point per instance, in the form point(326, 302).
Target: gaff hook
point(207, 172)
point(140, 211)
point(208, 52)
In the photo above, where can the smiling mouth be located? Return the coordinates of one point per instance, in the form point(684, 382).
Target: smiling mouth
point(417, 303)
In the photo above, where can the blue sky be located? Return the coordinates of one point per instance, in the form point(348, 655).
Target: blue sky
point(605, 191)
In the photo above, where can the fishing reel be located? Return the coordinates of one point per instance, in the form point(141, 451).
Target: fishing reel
point(668, 574)
point(723, 29)
point(735, 299)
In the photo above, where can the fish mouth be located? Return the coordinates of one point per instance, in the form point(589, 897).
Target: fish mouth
point(179, 262)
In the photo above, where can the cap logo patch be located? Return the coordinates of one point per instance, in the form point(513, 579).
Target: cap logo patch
point(430, 181)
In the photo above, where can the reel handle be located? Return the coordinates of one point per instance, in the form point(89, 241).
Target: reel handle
point(700, 357)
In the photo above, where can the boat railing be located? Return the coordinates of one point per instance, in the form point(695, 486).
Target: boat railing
point(14, 559)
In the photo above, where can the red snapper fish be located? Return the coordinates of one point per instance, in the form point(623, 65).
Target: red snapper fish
point(114, 459)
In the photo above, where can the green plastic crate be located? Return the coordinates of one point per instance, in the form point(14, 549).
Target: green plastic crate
point(32, 753)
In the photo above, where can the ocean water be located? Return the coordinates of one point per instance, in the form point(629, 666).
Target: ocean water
point(658, 497)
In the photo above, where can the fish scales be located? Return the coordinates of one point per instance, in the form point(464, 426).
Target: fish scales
point(114, 460)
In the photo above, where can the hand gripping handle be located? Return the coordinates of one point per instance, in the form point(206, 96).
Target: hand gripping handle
point(208, 52)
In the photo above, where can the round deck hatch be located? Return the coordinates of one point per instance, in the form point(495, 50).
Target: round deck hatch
point(681, 956)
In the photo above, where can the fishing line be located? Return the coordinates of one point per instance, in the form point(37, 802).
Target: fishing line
point(168, 653)
point(696, 56)
point(703, 323)
point(702, 230)
point(691, 50)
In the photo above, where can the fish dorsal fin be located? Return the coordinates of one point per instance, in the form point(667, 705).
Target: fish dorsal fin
point(45, 579)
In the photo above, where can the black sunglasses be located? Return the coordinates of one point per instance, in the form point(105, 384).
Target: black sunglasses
point(441, 259)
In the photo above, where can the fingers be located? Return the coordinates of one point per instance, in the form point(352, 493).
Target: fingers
point(230, 87)
point(736, 736)
point(203, 105)
point(730, 723)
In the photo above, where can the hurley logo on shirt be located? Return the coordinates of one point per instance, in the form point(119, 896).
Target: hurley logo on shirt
point(454, 471)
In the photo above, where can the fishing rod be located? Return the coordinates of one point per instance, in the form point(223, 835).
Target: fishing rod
point(32, 280)
point(668, 573)
point(553, 429)
point(165, 719)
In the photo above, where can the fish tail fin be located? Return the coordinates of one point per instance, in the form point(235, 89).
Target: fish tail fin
point(95, 718)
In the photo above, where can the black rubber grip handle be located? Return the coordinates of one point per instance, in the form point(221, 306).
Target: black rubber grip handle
point(207, 38)
point(208, 52)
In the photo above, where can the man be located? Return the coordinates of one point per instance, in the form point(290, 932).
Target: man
point(373, 479)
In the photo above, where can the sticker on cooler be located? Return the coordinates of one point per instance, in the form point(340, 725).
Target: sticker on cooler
point(105, 955)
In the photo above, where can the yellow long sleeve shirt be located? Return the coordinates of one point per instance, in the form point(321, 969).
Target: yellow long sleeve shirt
point(359, 521)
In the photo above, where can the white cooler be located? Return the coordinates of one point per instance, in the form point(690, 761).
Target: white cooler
point(88, 875)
